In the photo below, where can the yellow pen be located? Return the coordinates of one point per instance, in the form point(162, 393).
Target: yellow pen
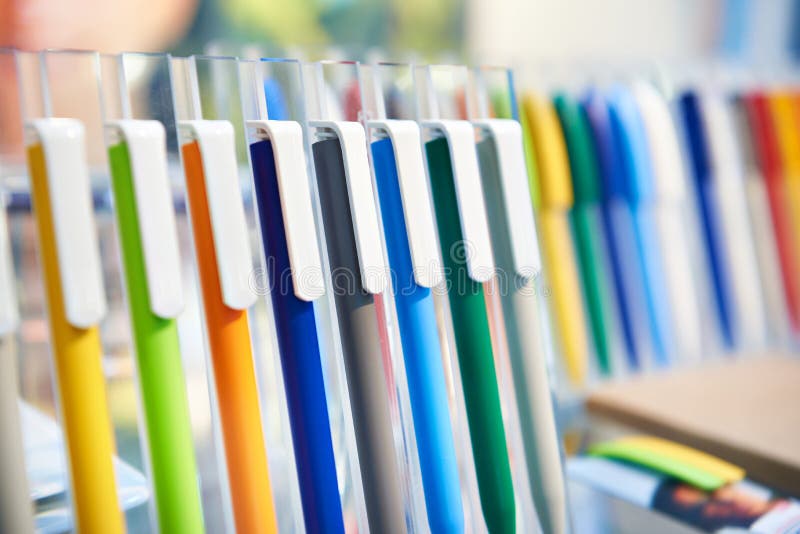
point(555, 199)
point(69, 254)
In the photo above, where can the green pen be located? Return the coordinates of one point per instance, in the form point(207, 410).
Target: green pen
point(516, 251)
point(586, 223)
point(473, 339)
point(149, 245)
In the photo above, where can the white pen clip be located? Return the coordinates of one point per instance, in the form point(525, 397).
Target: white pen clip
point(507, 135)
point(9, 314)
point(662, 140)
point(362, 201)
point(71, 211)
point(295, 197)
point(147, 150)
point(469, 194)
point(226, 209)
point(420, 225)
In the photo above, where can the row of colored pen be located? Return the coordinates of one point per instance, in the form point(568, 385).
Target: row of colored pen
point(399, 212)
point(379, 239)
point(668, 224)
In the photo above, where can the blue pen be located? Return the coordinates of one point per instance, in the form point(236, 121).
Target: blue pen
point(422, 355)
point(701, 171)
point(300, 358)
point(631, 138)
point(624, 286)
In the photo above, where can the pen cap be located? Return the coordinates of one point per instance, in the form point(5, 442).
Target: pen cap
point(783, 108)
point(747, 141)
point(64, 143)
point(611, 177)
point(765, 144)
point(551, 153)
point(629, 131)
point(662, 142)
point(217, 141)
point(145, 138)
point(334, 108)
point(388, 104)
point(696, 135)
point(581, 150)
point(291, 163)
point(725, 157)
point(492, 89)
point(442, 100)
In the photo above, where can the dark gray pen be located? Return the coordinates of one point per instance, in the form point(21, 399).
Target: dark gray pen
point(361, 346)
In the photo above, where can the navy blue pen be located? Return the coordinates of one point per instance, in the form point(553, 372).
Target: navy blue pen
point(701, 172)
point(611, 189)
point(421, 350)
point(631, 138)
point(300, 357)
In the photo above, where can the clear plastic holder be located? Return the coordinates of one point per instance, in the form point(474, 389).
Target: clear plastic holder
point(253, 429)
point(287, 205)
point(160, 284)
point(355, 259)
point(479, 340)
point(525, 314)
point(60, 103)
point(389, 106)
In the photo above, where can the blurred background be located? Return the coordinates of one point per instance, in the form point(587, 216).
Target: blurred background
point(504, 31)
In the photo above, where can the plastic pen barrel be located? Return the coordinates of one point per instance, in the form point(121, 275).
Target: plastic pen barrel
point(423, 357)
point(82, 401)
point(638, 190)
point(587, 237)
point(301, 360)
point(233, 368)
point(16, 509)
point(160, 372)
point(786, 238)
point(625, 290)
point(474, 348)
point(361, 344)
point(701, 170)
point(528, 361)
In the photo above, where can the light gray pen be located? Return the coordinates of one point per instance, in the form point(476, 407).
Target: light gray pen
point(515, 248)
point(16, 511)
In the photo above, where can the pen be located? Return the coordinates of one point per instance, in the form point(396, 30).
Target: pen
point(224, 268)
point(358, 276)
point(736, 234)
point(60, 190)
point(778, 317)
point(408, 224)
point(288, 231)
point(783, 110)
point(766, 145)
point(16, 510)
point(148, 240)
point(465, 249)
point(556, 199)
point(583, 170)
point(701, 169)
point(670, 212)
point(617, 225)
point(516, 251)
point(639, 188)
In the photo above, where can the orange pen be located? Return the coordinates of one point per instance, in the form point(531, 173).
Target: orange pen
point(220, 239)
